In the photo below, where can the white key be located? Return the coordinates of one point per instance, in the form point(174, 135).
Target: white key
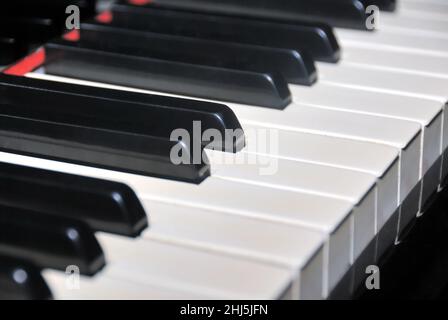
point(406, 62)
point(296, 248)
point(103, 287)
point(333, 217)
point(428, 113)
point(149, 262)
point(435, 45)
point(417, 24)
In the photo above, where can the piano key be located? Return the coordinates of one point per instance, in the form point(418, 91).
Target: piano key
point(416, 24)
point(375, 159)
point(106, 288)
point(430, 7)
point(103, 205)
point(46, 8)
point(398, 41)
point(328, 122)
point(296, 67)
point(27, 132)
point(327, 215)
point(21, 280)
point(342, 13)
point(201, 272)
point(407, 62)
point(428, 113)
point(10, 50)
point(110, 104)
point(49, 241)
point(314, 37)
point(30, 30)
point(263, 89)
point(292, 247)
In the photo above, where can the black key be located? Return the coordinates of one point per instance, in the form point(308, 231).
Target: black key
point(10, 50)
point(386, 5)
point(46, 8)
point(104, 205)
point(159, 114)
point(261, 89)
point(316, 38)
point(21, 280)
point(49, 241)
point(99, 133)
point(296, 67)
point(338, 13)
point(29, 29)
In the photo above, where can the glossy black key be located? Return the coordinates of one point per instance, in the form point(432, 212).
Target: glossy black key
point(21, 280)
point(104, 205)
point(297, 67)
point(49, 241)
point(159, 114)
point(316, 38)
point(386, 5)
point(100, 133)
point(338, 13)
point(246, 87)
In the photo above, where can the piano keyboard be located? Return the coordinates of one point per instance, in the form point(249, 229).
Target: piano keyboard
point(344, 147)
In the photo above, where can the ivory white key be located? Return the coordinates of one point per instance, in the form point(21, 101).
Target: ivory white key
point(149, 262)
point(406, 62)
point(103, 287)
point(430, 7)
point(428, 113)
point(437, 46)
point(296, 248)
point(334, 217)
point(379, 160)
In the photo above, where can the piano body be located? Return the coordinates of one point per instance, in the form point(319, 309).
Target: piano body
point(211, 149)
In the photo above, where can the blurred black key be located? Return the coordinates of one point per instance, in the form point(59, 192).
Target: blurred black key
point(159, 114)
point(261, 89)
point(296, 67)
point(10, 50)
point(21, 280)
point(29, 29)
point(338, 13)
point(315, 38)
point(49, 241)
point(95, 132)
point(47, 8)
point(104, 205)
point(386, 5)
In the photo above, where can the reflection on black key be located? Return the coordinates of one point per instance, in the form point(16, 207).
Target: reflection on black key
point(314, 37)
point(104, 205)
point(21, 280)
point(297, 67)
point(156, 115)
point(49, 241)
point(338, 13)
point(100, 133)
point(261, 89)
